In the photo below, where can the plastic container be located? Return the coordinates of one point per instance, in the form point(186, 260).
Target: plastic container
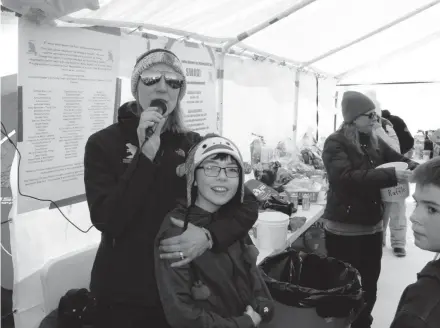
point(426, 155)
point(399, 192)
point(312, 194)
point(306, 202)
point(272, 230)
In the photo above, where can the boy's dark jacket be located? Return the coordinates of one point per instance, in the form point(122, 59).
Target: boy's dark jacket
point(419, 306)
point(129, 196)
point(231, 276)
point(355, 182)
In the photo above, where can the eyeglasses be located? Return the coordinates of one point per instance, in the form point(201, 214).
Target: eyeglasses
point(173, 80)
point(371, 115)
point(214, 171)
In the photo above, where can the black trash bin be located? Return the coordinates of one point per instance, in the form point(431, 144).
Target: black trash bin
point(311, 290)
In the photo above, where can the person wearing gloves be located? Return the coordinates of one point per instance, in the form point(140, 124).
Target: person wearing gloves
point(419, 306)
point(216, 290)
point(353, 214)
point(394, 212)
point(131, 184)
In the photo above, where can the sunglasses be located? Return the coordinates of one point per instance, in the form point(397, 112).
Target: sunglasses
point(173, 80)
point(370, 115)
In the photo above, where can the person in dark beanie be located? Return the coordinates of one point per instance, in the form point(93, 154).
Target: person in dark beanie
point(406, 139)
point(216, 290)
point(353, 214)
point(131, 184)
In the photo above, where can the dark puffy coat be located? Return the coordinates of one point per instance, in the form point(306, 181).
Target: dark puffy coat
point(355, 183)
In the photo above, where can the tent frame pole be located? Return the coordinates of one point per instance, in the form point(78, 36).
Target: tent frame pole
point(405, 49)
point(266, 24)
point(136, 25)
point(368, 35)
point(296, 106)
point(221, 83)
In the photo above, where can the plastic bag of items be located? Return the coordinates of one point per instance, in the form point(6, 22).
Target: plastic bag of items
point(273, 175)
point(269, 198)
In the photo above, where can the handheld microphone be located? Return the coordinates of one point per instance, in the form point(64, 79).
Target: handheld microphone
point(162, 108)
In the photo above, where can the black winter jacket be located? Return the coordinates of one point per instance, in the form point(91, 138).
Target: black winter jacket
point(355, 183)
point(128, 197)
point(419, 306)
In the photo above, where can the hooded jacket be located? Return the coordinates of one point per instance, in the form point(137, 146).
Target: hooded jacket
point(355, 181)
point(128, 197)
point(231, 277)
point(419, 306)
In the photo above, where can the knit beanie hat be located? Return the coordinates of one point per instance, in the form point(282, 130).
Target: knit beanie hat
point(212, 144)
point(373, 97)
point(153, 57)
point(355, 104)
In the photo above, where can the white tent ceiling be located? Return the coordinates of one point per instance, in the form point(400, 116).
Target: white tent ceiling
point(406, 29)
point(339, 38)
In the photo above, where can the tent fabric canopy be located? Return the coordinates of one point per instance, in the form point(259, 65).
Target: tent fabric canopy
point(393, 27)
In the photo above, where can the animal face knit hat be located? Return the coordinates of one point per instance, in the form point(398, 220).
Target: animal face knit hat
point(211, 145)
point(151, 58)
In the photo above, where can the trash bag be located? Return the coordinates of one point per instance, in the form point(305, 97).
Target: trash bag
point(330, 286)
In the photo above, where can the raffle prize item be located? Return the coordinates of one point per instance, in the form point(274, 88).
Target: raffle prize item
point(399, 192)
point(269, 198)
point(294, 199)
point(256, 151)
point(306, 202)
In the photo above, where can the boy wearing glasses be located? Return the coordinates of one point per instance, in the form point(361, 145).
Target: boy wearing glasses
point(419, 306)
point(217, 289)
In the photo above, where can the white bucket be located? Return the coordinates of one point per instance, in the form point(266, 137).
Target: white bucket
point(399, 192)
point(272, 230)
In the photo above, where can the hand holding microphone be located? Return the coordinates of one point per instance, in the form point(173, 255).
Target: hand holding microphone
point(150, 127)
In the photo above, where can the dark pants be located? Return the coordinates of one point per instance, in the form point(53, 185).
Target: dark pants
point(365, 254)
point(129, 316)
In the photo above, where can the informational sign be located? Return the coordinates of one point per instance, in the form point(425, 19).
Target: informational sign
point(67, 81)
point(199, 104)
